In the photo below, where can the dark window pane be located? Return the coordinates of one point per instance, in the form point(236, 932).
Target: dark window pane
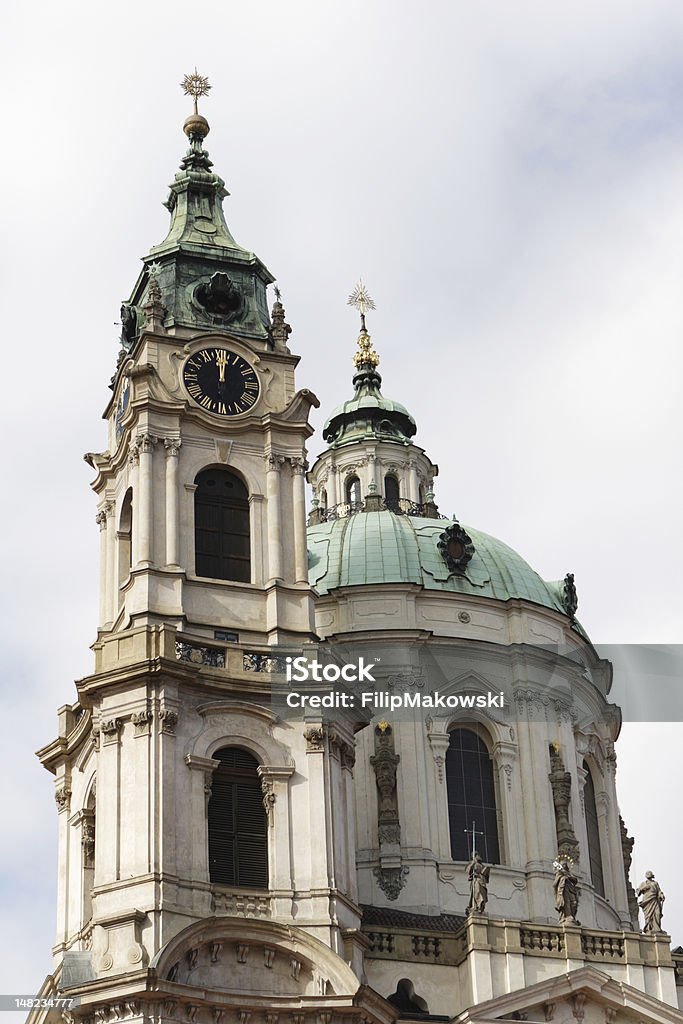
point(471, 797)
point(391, 492)
point(222, 550)
point(593, 830)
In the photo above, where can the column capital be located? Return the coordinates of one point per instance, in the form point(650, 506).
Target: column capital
point(172, 446)
point(299, 465)
point(274, 461)
point(145, 443)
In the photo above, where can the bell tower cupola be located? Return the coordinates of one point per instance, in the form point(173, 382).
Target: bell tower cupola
point(371, 462)
point(202, 487)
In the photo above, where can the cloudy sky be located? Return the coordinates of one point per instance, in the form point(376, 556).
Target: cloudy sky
point(507, 178)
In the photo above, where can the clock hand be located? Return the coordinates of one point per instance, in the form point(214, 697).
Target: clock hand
point(221, 362)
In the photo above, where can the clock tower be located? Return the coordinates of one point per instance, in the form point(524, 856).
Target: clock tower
point(206, 846)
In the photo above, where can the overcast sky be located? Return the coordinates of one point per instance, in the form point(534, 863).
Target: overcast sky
point(508, 180)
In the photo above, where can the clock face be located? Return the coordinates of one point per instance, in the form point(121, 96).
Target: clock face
point(122, 406)
point(221, 382)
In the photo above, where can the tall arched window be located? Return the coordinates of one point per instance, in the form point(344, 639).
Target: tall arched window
point(353, 495)
point(221, 527)
point(125, 536)
point(471, 797)
point(238, 825)
point(593, 830)
point(391, 492)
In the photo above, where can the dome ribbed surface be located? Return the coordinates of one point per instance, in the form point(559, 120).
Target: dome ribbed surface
point(381, 547)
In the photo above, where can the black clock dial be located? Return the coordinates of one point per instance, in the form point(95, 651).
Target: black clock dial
point(122, 407)
point(220, 381)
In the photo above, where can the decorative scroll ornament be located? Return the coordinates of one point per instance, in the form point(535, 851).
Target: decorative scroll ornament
point(570, 599)
point(391, 880)
point(456, 548)
point(220, 297)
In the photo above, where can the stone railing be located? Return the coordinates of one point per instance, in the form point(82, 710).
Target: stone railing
point(570, 942)
point(414, 946)
point(240, 903)
point(533, 939)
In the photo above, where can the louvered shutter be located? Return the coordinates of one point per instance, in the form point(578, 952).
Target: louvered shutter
point(238, 825)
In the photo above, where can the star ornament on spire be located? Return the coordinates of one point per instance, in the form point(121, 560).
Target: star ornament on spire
point(360, 298)
point(195, 85)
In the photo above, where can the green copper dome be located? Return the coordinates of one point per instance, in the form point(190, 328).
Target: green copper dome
point(382, 547)
point(369, 416)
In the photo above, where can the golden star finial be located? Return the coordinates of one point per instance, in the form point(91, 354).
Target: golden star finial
point(195, 85)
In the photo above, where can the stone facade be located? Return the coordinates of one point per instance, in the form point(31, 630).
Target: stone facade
point(362, 917)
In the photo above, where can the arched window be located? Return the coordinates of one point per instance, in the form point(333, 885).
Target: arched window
point(593, 830)
point(353, 496)
point(88, 854)
point(322, 500)
point(471, 797)
point(125, 536)
point(391, 492)
point(238, 825)
point(221, 527)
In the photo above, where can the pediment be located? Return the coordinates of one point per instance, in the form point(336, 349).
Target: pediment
point(584, 996)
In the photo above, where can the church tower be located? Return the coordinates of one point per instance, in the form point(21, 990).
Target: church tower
point(206, 846)
point(222, 861)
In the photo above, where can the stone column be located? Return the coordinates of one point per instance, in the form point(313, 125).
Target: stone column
point(299, 467)
point(274, 464)
point(412, 482)
point(275, 787)
point(172, 446)
point(333, 487)
point(146, 444)
point(373, 472)
point(134, 476)
point(111, 598)
point(105, 578)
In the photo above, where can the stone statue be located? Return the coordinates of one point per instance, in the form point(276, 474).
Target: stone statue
point(129, 323)
point(566, 886)
point(651, 902)
point(478, 874)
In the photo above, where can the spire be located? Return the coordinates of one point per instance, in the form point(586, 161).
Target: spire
point(368, 414)
point(204, 279)
point(196, 126)
point(366, 380)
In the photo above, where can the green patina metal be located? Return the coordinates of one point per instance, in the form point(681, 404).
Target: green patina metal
point(207, 280)
point(382, 547)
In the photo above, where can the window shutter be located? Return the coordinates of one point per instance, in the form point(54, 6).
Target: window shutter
point(222, 546)
point(238, 824)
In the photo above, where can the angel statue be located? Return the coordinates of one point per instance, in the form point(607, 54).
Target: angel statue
point(651, 903)
point(566, 886)
point(478, 874)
